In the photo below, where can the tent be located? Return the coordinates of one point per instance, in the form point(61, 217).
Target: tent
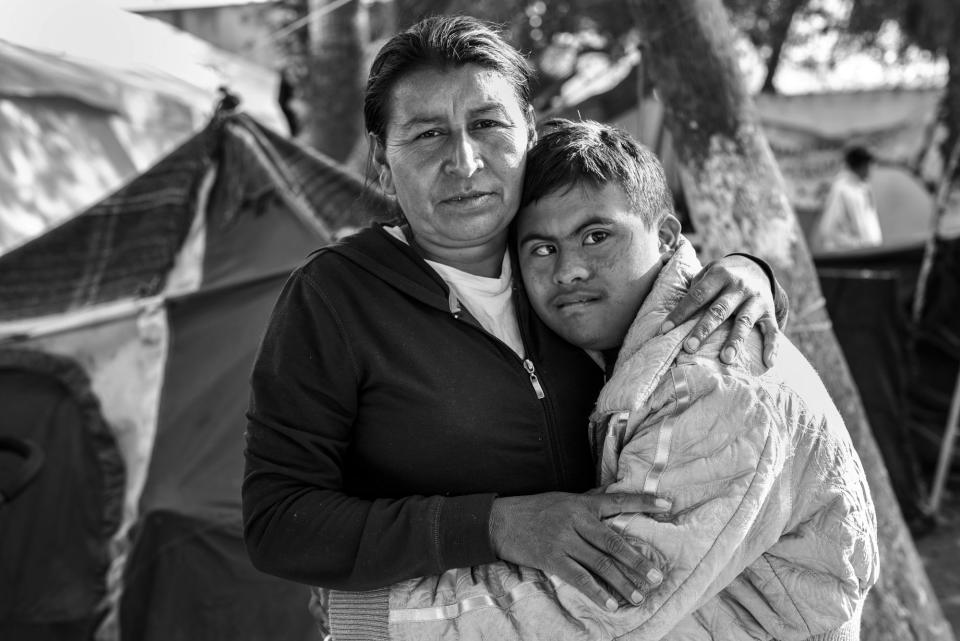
point(91, 96)
point(807, 134)
point(154, 300)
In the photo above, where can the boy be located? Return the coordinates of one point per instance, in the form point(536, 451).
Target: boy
point(772, 532)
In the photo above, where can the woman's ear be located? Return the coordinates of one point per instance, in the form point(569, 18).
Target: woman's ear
point(384, 175)
point(669, 233)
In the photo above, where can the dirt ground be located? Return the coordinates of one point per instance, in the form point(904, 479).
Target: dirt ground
point(940, 551)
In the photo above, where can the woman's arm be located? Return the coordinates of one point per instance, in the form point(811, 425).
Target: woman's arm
point(739, 286)
point(299, 523)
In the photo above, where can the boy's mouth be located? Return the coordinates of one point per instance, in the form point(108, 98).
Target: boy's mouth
point(575, 300)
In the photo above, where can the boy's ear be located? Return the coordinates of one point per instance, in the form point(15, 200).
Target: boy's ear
point(384, 174)
point(531, 119)
point(669, 233)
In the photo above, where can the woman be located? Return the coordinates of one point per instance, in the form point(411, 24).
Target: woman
point(406, 402)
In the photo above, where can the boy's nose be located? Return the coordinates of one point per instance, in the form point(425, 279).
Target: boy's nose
point(570, 269)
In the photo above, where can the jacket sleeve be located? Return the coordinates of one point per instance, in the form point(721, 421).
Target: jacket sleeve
point(720, 450)
point(781, 302)
point(299, 523)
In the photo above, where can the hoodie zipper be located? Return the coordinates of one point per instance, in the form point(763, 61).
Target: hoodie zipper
point(532, 372)
point(457, 311)
point(549, 419)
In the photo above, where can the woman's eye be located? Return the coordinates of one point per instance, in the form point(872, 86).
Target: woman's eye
point(596, 237)
point(542, 250)
point(432, 133)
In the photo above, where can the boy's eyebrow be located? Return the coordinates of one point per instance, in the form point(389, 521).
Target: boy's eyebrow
point(593, 220)
point(431, 119)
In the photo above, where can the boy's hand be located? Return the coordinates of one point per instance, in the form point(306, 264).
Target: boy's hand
point(733, 285)
point(564, 535)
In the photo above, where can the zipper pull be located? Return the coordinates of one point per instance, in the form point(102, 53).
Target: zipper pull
point(528, 365)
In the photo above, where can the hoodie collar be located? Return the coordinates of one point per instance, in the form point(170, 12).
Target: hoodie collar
point(394, 262)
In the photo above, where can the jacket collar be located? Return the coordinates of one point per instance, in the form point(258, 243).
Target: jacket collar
point(646, 355)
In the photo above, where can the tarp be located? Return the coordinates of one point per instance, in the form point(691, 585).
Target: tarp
point(161, 292)
point(55, 535)
point(227, 600)
point(905, 371)
point(91, 95)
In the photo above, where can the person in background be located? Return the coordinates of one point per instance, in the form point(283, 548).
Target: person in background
point(772, 532)
point(409, 413)
point(849, 219)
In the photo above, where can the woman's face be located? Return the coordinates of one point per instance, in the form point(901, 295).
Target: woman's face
point(456, 145)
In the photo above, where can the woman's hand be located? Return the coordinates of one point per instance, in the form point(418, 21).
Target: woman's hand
point(733, 285)
point(563, 535)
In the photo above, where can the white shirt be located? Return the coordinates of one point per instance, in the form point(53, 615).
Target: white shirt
point(849, 218)
point(489, 300)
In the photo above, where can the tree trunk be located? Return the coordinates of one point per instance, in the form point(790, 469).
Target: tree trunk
point(779, 32)
point(738, 201)
point(333, 93)
point(951, 113)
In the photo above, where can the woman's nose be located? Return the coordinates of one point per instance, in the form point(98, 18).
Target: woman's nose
point(464, 159)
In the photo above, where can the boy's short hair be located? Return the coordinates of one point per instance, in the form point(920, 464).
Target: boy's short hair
point(592, 154)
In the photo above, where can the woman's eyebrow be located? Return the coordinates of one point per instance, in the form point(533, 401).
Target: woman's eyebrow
point(490, 109)
point(418, 120)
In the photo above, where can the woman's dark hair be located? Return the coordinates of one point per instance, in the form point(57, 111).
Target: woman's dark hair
point(440, 42)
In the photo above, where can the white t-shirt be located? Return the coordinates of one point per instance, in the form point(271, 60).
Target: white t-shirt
point(849, 218)
point(490, 300)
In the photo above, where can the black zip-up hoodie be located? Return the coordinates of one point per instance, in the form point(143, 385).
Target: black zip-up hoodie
point(383, 421)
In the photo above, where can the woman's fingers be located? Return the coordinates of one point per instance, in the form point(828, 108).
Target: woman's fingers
point(704, 288)
point(745, 318)
point(565, 535)
point(771, 338)
point(719, 311)
point(734, 287)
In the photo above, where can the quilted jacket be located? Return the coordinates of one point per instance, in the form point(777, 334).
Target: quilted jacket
point(772, 534)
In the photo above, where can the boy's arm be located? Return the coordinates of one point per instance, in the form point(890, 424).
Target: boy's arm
point(725, 458)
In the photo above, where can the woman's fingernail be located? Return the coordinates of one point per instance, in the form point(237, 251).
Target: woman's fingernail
point(636, 598)
point(612, 605)
point(654, 576)
point(729, 354)
point(666, 327)
point(664, 503)
point(692, 344)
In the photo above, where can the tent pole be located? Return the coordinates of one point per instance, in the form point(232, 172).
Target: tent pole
point(929, 251)
point(946, 450)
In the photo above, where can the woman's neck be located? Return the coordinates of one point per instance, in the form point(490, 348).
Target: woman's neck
point(483, 260)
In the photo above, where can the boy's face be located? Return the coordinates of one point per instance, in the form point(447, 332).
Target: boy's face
point(588, 262)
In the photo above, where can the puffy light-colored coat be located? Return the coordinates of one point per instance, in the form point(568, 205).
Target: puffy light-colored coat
point(772, 534)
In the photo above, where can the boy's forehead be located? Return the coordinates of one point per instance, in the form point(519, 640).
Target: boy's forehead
point(569, 207)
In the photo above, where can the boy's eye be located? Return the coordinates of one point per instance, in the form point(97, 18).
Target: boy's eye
point(542, 250)
point(595, 237)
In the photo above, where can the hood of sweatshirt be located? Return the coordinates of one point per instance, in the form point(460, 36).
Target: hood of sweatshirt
point(374, 250)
